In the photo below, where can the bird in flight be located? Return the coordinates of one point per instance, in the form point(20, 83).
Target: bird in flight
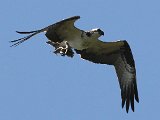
point(67, 39)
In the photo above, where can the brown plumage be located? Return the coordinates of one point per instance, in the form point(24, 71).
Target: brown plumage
point(65, 38)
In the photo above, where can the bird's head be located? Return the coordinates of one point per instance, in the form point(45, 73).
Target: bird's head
point(95, 33)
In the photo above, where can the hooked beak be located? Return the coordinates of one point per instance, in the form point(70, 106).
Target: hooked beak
point(100, 32)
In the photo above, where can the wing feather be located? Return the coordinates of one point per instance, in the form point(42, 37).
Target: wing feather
point(64, 29)
point(118, 54)
point(60, 27)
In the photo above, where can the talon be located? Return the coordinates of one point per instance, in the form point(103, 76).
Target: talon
point(61, 48)
point(57, 51)
point(62, 51)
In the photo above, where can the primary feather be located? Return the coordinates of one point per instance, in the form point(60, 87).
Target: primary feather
point(65, 37)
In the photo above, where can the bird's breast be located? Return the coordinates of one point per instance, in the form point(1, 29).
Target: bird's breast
point(77, 43)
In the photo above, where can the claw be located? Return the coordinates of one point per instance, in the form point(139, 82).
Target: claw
point(62, 48)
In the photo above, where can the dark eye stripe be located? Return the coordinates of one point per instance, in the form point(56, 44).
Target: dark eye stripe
point(88, 34)
point(99, 30)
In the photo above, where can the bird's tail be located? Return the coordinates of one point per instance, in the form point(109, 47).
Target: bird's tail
point(31, 34)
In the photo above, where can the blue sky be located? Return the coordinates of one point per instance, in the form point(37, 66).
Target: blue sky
point(35, 84)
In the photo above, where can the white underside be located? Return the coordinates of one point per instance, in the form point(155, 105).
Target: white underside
point(76, 43)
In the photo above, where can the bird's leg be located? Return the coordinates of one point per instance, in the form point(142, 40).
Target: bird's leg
point(62, 48)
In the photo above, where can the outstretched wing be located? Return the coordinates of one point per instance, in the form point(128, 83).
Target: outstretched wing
point(63, 30)
point(118, 54)
point(55, 32)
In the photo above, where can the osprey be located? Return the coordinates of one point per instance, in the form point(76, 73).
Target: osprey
point(65, 38)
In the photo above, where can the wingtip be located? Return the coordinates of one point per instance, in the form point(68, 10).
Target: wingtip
point(136, 95)
point(27, 32)
point(77, 16)
point(127, 111)
point(19, 32)
point(137, 99)
point(72, 18)
point(123, 103)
